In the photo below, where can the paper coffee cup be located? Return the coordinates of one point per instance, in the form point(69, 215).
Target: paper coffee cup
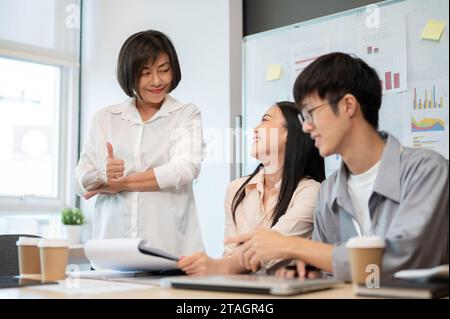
point(54, 254)
point(366, 253)
point(29, 259)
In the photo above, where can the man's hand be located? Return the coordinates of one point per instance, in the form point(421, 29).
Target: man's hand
point(300, 270)
point(260, 246)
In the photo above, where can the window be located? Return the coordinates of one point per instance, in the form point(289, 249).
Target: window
point(29, 127)
point(39, 71)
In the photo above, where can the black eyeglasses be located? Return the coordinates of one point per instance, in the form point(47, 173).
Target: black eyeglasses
point(306, 115)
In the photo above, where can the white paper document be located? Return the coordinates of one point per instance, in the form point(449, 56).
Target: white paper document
point(124, 255)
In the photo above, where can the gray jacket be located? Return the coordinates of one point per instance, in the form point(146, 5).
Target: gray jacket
point(408, 208)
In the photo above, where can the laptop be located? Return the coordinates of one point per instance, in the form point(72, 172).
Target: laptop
point(250, 284)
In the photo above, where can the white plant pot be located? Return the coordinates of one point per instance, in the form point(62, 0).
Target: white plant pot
point(72, 233)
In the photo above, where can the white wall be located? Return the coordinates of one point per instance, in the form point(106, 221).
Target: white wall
point(207, 36)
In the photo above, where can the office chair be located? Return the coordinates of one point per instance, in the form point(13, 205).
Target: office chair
point(9, 257)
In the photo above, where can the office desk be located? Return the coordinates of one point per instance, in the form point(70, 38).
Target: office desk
point(92, 289)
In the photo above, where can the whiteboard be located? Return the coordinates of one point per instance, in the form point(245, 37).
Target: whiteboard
point(388, 37)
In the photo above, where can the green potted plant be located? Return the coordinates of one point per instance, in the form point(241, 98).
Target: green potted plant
point(72, 220)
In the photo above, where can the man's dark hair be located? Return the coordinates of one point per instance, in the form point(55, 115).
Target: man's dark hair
point(139, 49)
point(333, 75)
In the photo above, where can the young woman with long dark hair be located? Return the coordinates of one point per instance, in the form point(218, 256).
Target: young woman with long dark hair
point(280, 193)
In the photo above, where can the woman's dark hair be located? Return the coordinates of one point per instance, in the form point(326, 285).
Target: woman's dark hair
point(137, 50)
point(301, 160)
point(333, 75)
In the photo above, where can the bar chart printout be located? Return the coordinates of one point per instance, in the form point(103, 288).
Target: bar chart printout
point(384, 49)
point(428, 116)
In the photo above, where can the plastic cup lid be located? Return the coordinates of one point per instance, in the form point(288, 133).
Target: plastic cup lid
point(365, 242)
point(53, 243)
point(28, 241)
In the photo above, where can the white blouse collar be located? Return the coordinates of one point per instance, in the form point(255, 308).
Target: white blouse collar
point(129, 111)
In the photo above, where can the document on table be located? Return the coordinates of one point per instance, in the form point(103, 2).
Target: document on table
point(124, 255)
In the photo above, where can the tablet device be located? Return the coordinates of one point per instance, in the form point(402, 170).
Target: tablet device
point(146, 248)
point(17, 282)
point(250, 284)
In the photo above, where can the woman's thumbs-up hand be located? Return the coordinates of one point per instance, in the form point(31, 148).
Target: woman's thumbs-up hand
point(114, 172)
point(114, 167)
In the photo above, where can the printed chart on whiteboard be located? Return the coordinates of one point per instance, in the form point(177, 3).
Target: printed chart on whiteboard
point(384, 48)
point(427, 122)
point(304, 55)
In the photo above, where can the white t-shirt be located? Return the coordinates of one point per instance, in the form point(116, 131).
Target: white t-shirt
point(360, 187)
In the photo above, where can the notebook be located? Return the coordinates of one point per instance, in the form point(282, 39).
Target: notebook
point(114, 275)
point(405, 288)
point(436, 273)
point(250, 284)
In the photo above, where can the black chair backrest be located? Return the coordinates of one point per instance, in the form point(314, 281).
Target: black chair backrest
point(9, 257)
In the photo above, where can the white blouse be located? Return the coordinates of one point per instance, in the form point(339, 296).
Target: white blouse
point(171, 143)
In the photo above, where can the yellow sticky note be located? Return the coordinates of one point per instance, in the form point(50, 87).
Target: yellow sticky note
point(433, 30)
point(273, 72)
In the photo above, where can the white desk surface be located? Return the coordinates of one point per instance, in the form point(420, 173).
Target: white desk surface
point(92, 289)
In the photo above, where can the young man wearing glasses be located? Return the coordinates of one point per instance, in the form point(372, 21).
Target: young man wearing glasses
point(381, 188)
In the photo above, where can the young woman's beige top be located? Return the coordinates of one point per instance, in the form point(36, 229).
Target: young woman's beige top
point(297, 221)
